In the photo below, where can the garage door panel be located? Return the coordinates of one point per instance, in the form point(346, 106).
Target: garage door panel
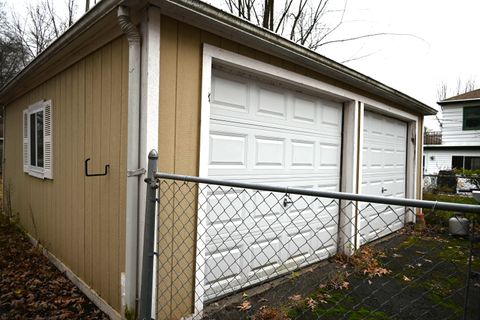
point(269, 135)
point(272, 151)
point(271, 103)
point(269, 152)
point(329, 154)
point(304, 110)
point(228, 149)
point(331, 115)
point(383, 173)
point(302, 153)
point(230, 94)
point(274, 105)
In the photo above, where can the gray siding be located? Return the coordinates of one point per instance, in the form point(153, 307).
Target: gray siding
point(452, 131)
point(442, 159)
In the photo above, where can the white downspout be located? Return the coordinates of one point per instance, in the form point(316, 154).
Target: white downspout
point(131, 234)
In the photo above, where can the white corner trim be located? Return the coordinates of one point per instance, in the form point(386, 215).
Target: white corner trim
point(149, 118)
point(85, 288)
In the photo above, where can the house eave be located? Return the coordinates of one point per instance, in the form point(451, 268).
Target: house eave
point(443, 147)
point(205, 16)
point(445, 102)
point(97, 13)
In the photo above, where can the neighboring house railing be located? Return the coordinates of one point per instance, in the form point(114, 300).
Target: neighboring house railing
point(232, 249)
point(432, 138)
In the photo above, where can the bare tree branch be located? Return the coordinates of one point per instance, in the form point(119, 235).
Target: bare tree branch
point(370, 36)
point(22, 37)
point(360, 57)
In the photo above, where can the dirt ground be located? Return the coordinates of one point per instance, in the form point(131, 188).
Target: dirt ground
point(31, 287)
point(409, 276)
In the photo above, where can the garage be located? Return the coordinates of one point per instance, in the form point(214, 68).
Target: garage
point(268, 132)
point(383, 173)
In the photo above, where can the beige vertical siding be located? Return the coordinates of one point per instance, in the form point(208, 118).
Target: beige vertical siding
point(80, 220)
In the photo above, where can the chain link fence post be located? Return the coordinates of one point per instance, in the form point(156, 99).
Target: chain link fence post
point(145, 305)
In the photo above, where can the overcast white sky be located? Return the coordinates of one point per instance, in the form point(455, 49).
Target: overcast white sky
point(446, 45)
point(450, 47)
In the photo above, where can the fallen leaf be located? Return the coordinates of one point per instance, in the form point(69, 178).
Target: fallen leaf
point(369, 282)
point(322, 297)
point(311, 303)
point(246, 305)
point(406, 279)
point(295, 297)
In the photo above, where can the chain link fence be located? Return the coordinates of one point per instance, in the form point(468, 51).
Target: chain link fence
point(447, 183)
point(227, 250)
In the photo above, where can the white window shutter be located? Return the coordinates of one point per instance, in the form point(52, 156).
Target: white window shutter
point(26, 144)
point(47, 140)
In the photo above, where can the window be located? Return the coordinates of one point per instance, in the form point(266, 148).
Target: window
point(37, 140)
point(462, 162)
point(471, 118)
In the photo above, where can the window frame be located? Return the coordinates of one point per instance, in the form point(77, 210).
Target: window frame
point(466, 111)
point(33, 169)
point(464, 162)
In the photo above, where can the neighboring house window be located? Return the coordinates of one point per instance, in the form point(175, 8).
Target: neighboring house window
point(37, 140)
point(469, 163)
point(471, 118)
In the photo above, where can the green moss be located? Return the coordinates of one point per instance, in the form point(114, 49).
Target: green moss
point(410, 241)
point(129, 313)
point(448, 304)
point(338, 304)
point(366, 314)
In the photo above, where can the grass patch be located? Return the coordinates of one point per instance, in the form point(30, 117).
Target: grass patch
point(439, 218)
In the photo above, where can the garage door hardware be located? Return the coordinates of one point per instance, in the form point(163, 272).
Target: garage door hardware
point(287, 201)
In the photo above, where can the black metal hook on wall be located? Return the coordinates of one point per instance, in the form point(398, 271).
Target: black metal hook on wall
point(107, 166)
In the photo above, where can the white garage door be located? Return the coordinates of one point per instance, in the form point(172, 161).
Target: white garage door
point(384, 174)
point(268, 133)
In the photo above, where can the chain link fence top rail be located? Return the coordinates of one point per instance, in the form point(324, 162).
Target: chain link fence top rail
point(230, 250)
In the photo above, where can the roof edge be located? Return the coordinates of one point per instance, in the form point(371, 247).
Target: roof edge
point(95, 14)
point(443, 102)
point(229, 24)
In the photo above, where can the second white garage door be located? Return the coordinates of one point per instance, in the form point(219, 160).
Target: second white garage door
point(384, 174)
point(269, 133)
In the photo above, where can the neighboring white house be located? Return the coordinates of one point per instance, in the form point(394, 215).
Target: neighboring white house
point(458, 144)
